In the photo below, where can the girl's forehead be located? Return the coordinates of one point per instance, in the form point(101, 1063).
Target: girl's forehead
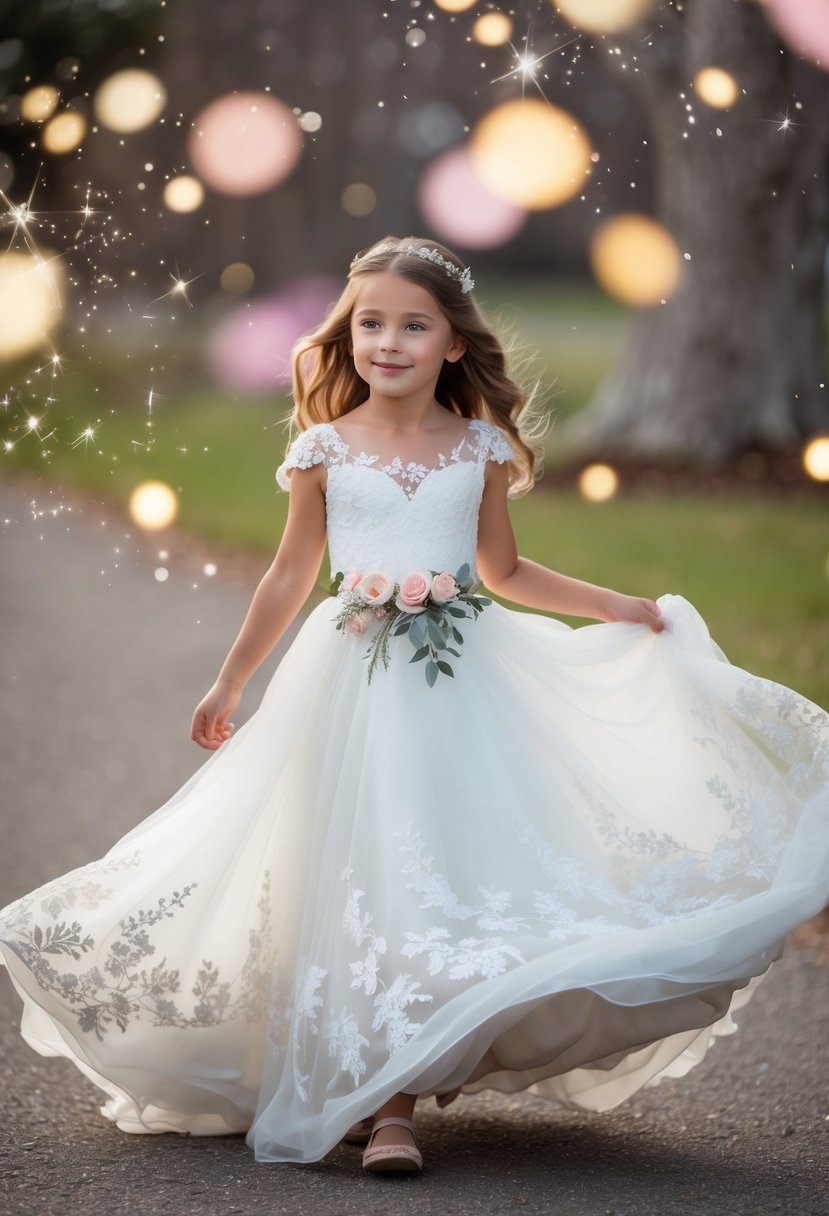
point(393, 292)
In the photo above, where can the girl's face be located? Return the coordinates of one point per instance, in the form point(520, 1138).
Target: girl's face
point(399, 336)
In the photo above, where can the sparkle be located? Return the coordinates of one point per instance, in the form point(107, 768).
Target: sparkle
point(527, 64)
point(86, 436)
point(32, 423)
point(180, 288)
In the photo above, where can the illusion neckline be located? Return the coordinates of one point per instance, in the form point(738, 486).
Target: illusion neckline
point(471, 425)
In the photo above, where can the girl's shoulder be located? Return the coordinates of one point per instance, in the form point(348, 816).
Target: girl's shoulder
point(319, 444)
point(491, 443)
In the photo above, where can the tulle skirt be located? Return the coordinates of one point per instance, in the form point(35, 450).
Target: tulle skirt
point(561, 870)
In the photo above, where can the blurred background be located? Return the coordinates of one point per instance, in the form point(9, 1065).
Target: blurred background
point(641, 188)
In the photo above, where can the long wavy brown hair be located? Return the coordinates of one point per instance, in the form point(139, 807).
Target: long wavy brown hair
point(326, 385)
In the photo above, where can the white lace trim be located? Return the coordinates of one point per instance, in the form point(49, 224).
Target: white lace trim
point(323, 444)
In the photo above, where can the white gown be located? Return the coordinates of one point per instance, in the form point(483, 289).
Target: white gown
point(558, 871)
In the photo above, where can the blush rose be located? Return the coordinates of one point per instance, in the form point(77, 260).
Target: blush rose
point(414, 591)
point(375, 589)
point(444, 588)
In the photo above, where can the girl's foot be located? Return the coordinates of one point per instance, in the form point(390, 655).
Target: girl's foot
point(392, 1147)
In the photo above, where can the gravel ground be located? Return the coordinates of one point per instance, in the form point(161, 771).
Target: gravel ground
point(96, 737)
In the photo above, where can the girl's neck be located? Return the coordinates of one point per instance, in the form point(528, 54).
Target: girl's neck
point(407, 417)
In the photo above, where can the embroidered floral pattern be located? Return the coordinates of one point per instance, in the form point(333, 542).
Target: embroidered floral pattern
point(120, 988)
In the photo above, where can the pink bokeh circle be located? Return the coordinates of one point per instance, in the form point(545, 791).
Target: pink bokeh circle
point(250, 350)
point(804, 27)
point(461, 209)
point(245, 143)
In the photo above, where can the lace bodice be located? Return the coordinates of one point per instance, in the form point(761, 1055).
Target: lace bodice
point(399, 517)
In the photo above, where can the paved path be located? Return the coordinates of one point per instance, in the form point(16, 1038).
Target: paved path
point(102, 665)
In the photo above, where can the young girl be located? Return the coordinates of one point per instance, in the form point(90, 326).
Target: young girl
point(457, 847)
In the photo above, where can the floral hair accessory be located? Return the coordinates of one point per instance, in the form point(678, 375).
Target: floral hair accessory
point(425, 606)
point(464, 276)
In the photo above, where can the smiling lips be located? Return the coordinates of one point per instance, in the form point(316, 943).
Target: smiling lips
point(392, 367)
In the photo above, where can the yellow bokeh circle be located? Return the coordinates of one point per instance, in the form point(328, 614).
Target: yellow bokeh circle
point(492, 29)
point(184, 193)
point(237, 278)
point(30, 302)
point(598, 482)
point(816, 458)
point(64, 133)
point(39, 103)
point(531, 153)
point(130, 100)
point(153, 505)
point(716, 87)
point(454, 6)
point(636, 260)
point(603, 16)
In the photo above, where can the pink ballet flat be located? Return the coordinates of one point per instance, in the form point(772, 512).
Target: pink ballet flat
point(404, 1158)
point(359, 1133)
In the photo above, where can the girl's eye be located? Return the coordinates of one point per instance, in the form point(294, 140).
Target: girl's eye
point(366, 324)
point(414, 325)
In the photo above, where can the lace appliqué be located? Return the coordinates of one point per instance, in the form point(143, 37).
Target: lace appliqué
point(322, 444)
point(118, 989)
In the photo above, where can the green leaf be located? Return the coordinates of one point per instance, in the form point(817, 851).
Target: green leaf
point(456, 611)
point(463, 573)
point(431, 673)
point(419, 654)
point(457, 636)
point(451, 650)
point(404, 627)
point(445, 668)
point(417, 631)
point(436, 635)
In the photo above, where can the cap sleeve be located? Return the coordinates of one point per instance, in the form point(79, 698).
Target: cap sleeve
point(320, 444)
point(492, 442)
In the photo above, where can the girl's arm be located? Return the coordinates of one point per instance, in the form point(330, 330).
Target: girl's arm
point(524, 582)
point(278, 598)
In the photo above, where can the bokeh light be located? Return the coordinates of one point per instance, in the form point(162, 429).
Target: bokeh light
point(603, 16)
point(492, 29)
point(531, 153)
point(415, 37)
point(598, 482)
point(30, 302)
point(237, 278)
point(804, 26)
point(454, 6)
point(153, 505)
point(716, 87)
point(250, 350)
point(816, 458)
point(460, 207)
point(636, 260)
point(310, 121)
point(358, 199)
point(129, 100)
point(64, 133)
point(245, 143)
point(184, 193)
point(39, 103)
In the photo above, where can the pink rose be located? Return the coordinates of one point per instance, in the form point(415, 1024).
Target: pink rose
point(351, 580)
point(414, 590)
point(375, 589)
point(444, 588)
point(356, 624)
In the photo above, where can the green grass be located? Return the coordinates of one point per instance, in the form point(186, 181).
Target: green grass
point(757, 570)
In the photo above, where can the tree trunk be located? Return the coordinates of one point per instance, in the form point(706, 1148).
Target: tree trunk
point(735, 360)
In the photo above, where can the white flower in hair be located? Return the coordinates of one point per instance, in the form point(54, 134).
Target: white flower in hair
point(464, 276)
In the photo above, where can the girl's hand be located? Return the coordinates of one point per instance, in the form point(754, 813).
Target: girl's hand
point(210, 727)
point(619, 607)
